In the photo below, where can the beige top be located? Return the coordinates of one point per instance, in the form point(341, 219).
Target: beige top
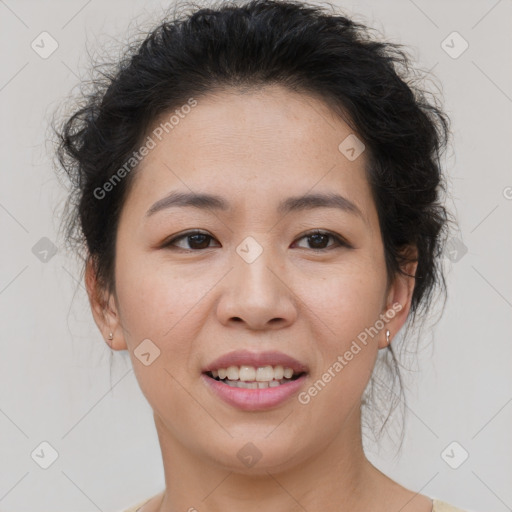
point(439, 506)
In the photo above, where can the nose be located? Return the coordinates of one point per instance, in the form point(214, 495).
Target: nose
point(256, 295)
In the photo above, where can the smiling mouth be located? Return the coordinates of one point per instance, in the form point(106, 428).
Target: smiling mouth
point(250, 377)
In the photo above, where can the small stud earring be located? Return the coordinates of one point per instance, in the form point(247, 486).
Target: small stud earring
point(387, 337)
point(110, 337)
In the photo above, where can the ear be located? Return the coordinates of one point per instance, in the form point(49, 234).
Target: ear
point(398, 302)
point(104, 309)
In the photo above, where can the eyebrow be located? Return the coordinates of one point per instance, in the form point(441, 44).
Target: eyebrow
point(292, 204)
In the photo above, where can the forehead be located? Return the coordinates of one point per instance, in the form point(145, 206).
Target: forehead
point(254, 148)
point(268, 126)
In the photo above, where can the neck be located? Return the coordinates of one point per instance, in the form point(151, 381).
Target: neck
point(337, 477)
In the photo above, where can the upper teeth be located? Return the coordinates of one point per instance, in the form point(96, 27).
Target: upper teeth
point(250, 373)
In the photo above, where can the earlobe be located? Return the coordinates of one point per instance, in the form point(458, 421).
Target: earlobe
point(399, 299)
point(115, 337)
point(103, 309)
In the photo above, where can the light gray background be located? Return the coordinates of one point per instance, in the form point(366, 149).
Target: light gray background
point(54, 364)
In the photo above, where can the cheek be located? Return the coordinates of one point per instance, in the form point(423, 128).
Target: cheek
point(153, 297)
point(153, 305)
point(349, 307)
point(348, 299)
point(162, 303)
point(348, 304)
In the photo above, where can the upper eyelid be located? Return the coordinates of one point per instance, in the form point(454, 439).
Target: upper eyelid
point(338, 238)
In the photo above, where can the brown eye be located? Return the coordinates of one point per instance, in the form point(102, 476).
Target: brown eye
point(319, 239)
point(196, 240)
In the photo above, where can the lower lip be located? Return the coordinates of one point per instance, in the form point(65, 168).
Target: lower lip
point(254, 399)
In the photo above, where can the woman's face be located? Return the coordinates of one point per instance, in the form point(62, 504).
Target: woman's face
point(258, 280)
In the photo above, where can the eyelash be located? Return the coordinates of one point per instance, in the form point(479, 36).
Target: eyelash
point(339, 241)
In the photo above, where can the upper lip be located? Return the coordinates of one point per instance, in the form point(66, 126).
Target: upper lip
point(256, 359)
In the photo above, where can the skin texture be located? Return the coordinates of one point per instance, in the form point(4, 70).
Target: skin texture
point(255, 149)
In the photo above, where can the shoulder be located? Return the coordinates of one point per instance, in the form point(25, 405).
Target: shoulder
point(438, 506)
point(148, 502)
point(441, 506)
point(135, 508)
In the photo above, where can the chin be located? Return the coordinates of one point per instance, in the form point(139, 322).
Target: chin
point(257, 455)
